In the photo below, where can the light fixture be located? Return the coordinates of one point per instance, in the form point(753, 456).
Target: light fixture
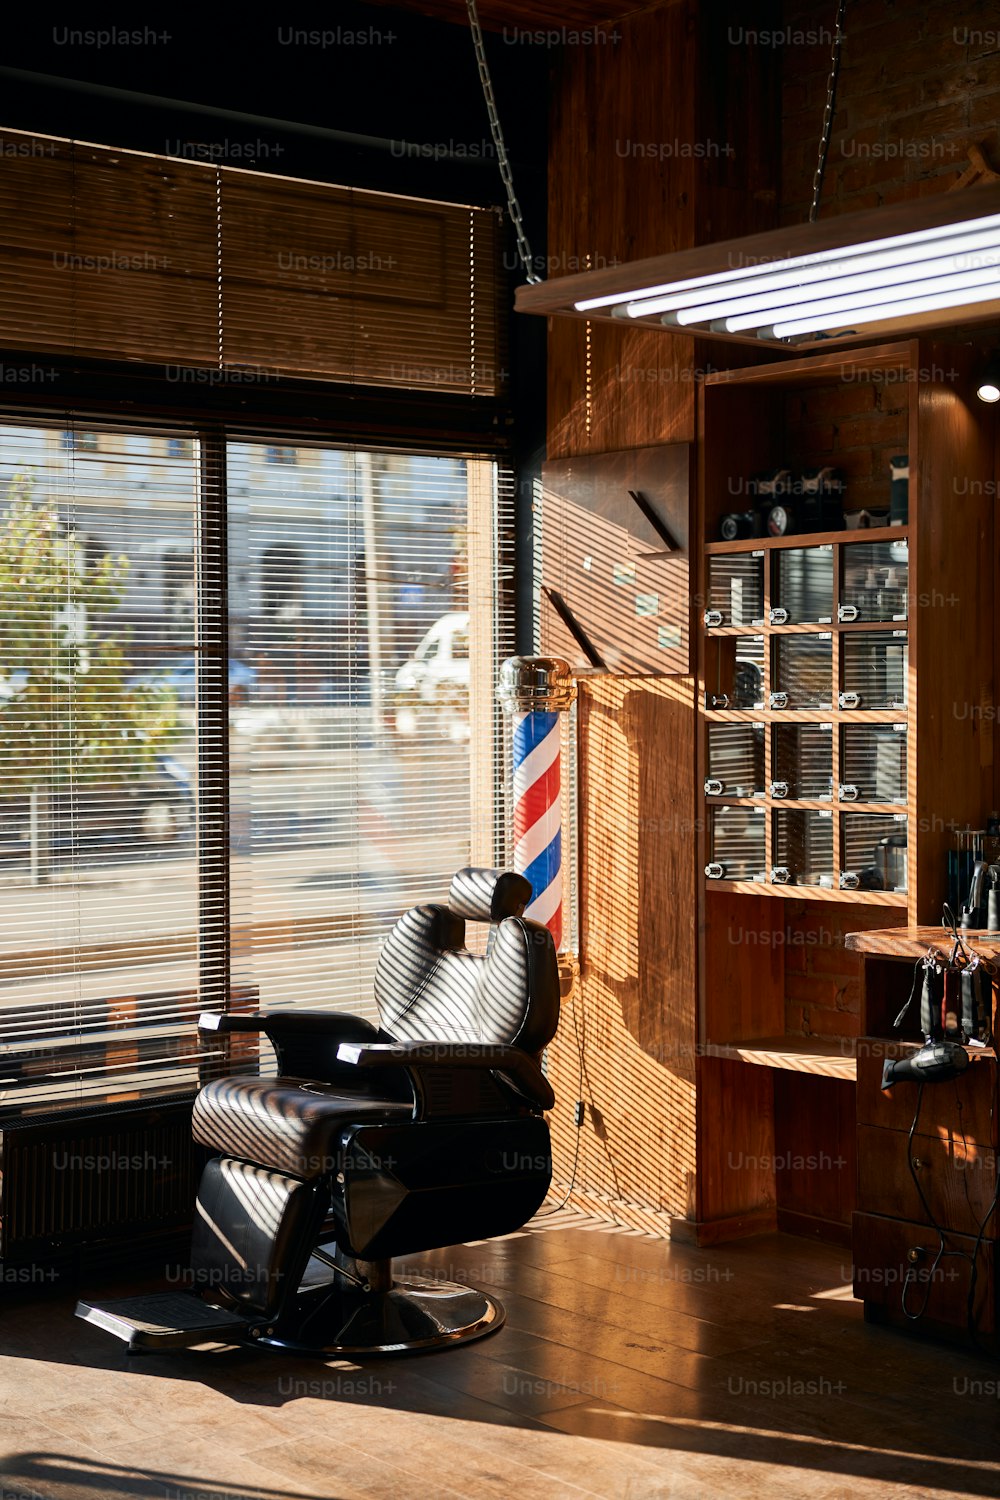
point(913, 265)
point(988, 384)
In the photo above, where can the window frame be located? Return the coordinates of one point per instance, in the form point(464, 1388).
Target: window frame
point(214, 429)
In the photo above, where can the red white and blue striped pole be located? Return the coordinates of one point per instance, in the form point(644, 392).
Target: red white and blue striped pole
point(535, 692)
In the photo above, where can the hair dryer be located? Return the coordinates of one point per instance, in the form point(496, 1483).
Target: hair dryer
point(933, 1063)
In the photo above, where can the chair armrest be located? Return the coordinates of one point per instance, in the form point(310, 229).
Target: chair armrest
point(225, 1021)
point(312, 1022)
point(521, 1070)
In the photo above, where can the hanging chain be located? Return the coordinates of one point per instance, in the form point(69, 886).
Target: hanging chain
point(513, 207)
point(831, 95)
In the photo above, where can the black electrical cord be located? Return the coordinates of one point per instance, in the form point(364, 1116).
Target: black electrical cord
point(911, 1274)
point(970, 1306)
point(942, 1251)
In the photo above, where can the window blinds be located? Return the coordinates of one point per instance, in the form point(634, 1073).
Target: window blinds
point(246, 718)
point(364, 758)
point(213, 272)
point(98, 776)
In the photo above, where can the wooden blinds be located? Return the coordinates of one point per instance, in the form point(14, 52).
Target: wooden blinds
point(199, 268)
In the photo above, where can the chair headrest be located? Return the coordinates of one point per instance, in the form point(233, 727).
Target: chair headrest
point(488, 895)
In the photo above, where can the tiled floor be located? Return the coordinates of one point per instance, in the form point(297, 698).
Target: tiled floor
point(628, 1367)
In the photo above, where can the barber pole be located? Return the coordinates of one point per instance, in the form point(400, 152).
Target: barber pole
point(535, 692)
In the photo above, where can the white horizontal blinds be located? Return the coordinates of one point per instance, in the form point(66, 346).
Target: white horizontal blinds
point(110, 253)
point(351, 751)
point(98, 887)
point(106, 253)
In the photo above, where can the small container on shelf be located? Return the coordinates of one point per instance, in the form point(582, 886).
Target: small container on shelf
point(803, 847)
point(803, 586)
point(874, 581)
point(802, 671)
point(873, 852)
point(873, 763)
point(873, 669)
point(735, 760)
point(738, 674)
point(735, 590)
point(802, 761)
point(736, 842)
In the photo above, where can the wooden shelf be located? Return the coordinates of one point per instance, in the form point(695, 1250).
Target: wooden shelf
point(913, 942)
point(793, 1053)
point(809, 539)
point(805, 804)
point(820, 367)
point(810, 893)
point(765, 715)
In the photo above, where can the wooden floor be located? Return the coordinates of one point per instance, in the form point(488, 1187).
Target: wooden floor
point(628, 1367)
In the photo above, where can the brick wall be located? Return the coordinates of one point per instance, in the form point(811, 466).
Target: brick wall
point(919, 80)
point(856, 425)
point(822, 979)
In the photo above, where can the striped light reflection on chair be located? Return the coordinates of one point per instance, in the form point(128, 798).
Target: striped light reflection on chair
point(537, 850)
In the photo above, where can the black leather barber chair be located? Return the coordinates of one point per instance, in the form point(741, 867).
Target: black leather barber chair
point(372, 1142)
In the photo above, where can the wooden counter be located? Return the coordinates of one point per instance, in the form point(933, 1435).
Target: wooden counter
point(913, 942)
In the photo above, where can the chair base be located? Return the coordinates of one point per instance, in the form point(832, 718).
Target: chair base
point(325, 1322)
point(411, 1316)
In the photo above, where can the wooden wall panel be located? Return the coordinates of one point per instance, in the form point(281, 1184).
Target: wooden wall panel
point(633, 1010)
point(664, 140)
point(815, 1155)
point(606, 568)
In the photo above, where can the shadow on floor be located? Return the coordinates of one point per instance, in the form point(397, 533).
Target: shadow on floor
point(752, 1353)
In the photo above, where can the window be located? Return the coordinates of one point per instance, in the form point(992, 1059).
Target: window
point(353, 755)
point(282, 572)
point(167, 835)
point(280, 455)
point(98, 888)
point(83, 442)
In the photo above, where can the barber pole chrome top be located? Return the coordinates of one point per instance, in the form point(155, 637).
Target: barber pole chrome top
point(532, 683)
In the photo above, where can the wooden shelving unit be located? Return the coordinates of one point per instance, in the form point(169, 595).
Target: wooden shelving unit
point(779, 977)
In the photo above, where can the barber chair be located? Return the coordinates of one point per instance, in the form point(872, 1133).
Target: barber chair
point(371, 1143)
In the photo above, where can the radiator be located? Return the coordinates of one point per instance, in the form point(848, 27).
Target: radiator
point(75, 1179)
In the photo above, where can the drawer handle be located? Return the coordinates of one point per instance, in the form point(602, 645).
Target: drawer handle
point(713, 787)
point(778, 617)
point(713, 617)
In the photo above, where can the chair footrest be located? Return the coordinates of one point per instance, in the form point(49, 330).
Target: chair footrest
point(166, 1320)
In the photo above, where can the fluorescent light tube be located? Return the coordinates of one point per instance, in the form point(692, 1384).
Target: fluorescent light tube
point(868, 290)
point(755, 312)
point(882, 311)
point(721, 279)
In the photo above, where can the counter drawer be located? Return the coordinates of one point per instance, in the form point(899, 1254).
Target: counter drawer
point(958, 1178)
point(882, 1250)
point(961, 1109)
